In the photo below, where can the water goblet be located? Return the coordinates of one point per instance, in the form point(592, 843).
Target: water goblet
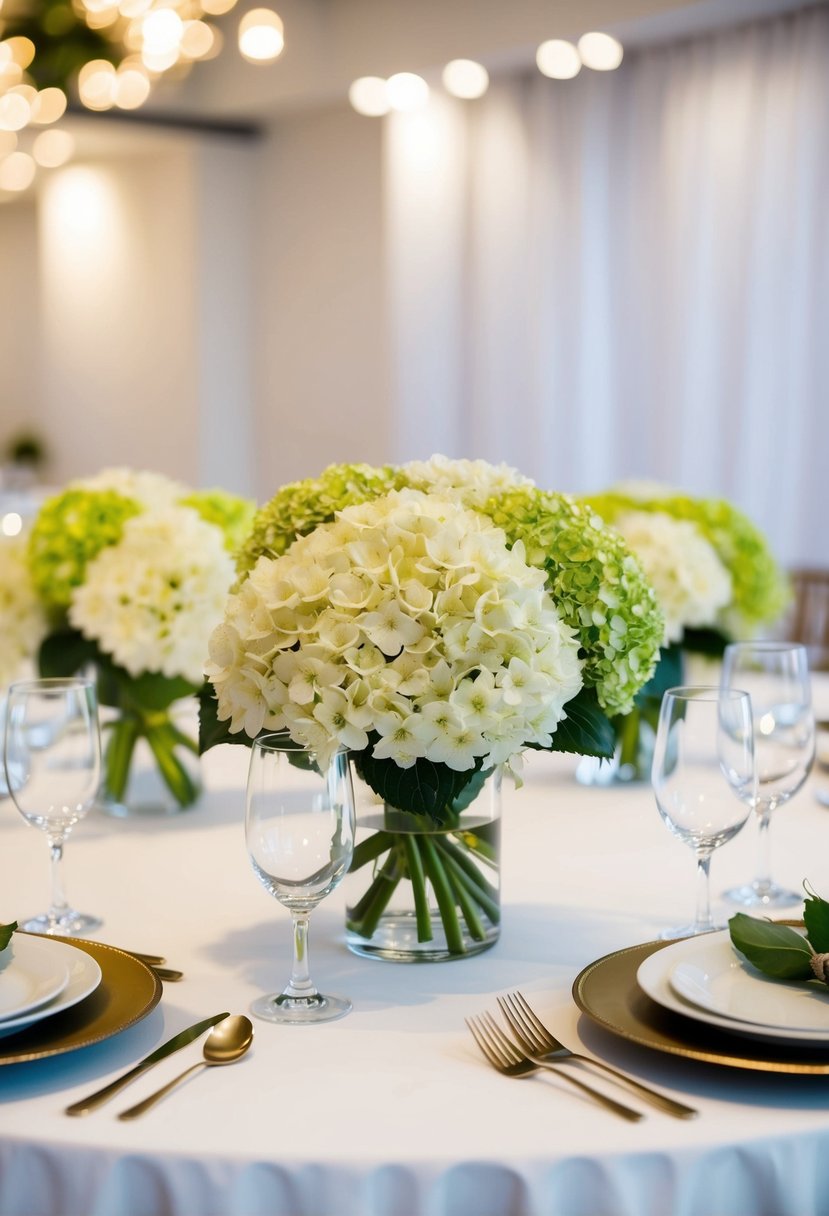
point(299, 825)
point(52, 762)
point(776, 677)
point(703, 777)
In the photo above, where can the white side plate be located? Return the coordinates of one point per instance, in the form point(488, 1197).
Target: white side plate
point(84, 976)
point(704, 978)
point(30, 975)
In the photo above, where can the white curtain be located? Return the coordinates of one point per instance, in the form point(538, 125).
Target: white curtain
point(627, 275)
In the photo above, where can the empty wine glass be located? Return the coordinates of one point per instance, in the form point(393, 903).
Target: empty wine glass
point(52, 761)
point(299, 825)
point(703, 777)
point(776, 676)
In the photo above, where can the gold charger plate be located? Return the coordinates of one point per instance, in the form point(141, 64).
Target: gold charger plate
point(128, 991)
point(607, 992)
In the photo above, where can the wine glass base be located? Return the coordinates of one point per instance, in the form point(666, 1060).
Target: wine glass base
point(71, 924)
point(668, 935)
point(297, 1011)
point(769, 895)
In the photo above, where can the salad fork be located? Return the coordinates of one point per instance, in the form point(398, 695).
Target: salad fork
point(505, 1057)
point(543, 1049)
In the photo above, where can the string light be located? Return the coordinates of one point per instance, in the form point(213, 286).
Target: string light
point(110, 53)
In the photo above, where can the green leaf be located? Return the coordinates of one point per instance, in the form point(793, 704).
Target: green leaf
point(705, 641)
point(151, 690)
point(6, 932)
point(427, 788)
point(776, 950)
point(816, 918)
point(65, 652)
point(587, 730)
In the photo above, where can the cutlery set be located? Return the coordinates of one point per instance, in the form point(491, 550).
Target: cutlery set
point(529, 1047)
point(229, 1039)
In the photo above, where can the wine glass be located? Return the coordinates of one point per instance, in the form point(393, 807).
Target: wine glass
point(299, 826)
point(703, 777)
point(52, 761)
point(776, 676)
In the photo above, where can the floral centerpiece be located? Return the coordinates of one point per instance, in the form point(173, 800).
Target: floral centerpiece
point(438, 620)
point(131, 571)
point(716, 581)
point(22, 619)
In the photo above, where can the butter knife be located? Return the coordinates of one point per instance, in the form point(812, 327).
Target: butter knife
point(166, 1049)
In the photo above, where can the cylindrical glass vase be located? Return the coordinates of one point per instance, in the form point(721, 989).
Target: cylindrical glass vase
point(422, 892)
point(151, 762)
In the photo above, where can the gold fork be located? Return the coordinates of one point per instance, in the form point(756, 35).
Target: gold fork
point(544, 1049)
point(505, 1057)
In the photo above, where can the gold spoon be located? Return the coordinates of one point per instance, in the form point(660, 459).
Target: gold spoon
point(227, 1042)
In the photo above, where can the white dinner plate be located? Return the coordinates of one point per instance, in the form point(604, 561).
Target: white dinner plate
point(84, 976)
point(30, 975)
point(737, 995)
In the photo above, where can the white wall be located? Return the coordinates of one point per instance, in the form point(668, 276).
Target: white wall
point(20, 356)
point(321, 326)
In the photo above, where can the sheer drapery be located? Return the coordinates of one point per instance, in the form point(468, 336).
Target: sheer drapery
point(627, 274)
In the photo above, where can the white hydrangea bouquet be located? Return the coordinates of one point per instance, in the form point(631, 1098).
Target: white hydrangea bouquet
point(437, 620)
point(714, 577)
point(131, 571)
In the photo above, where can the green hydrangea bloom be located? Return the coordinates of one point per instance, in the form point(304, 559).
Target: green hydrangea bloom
point(599, 587)
point(301, 506)
point(70, 530)
point(760, 588)
point(233, 515)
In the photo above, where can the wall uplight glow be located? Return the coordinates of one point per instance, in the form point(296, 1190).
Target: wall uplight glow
point(558, 59)
point(466, 79)
point(601, 52)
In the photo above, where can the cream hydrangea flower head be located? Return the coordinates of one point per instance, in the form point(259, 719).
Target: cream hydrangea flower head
point(692, 585)
point(151, 600)
point(407, 626)
point(22, 620)
point(473, 481)
point(759, 588)
point(143, 486)
point(596, 583)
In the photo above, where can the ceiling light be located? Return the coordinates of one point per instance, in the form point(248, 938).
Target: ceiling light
point(600, 52)
point(17, 171)
point(261, 36)
point(407, 92)
point(558, 59)
point(53, 148)
point(370, 96)
point(466, 79)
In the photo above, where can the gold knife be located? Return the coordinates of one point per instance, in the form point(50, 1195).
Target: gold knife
point(166, 1049)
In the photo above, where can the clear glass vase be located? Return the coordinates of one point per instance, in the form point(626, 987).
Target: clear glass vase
point(151, 762)
point(636, 732)
point(632, 759)
point(419, 892)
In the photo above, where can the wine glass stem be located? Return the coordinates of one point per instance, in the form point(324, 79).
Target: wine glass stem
point(58, 906)
point(703, 918)
point(300, 984)
point(763, 880)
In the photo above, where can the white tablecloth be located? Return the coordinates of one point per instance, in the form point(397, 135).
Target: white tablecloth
point(391, 1111)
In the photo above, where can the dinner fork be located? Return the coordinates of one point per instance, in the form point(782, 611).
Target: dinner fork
point(543, 1049)
point(505, 1057)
